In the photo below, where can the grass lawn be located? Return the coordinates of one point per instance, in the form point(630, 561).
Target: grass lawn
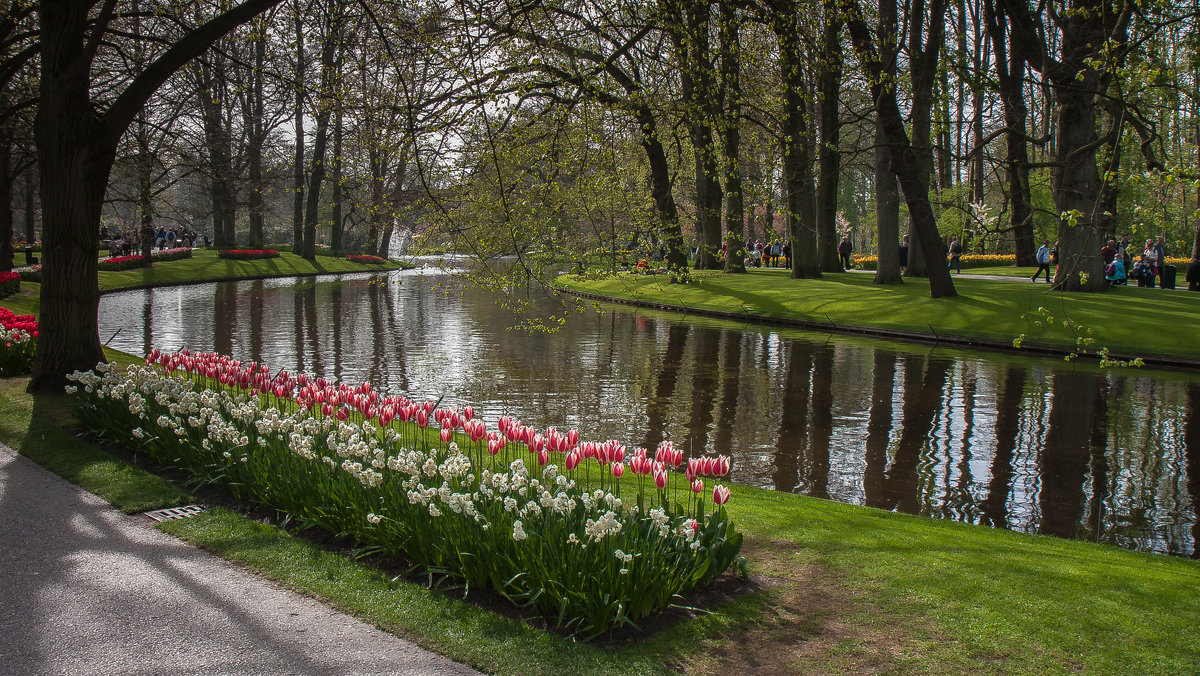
point(204, 266)
point(1002, 271)
point(839, 588)
point(1128, 320)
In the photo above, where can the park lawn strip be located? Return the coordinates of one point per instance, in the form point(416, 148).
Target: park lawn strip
point(854, 589)
point(204, 266)
point(1128, 320)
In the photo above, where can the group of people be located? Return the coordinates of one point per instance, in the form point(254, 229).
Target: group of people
point(775, 254)
point(1119, 266)
point(129, 240)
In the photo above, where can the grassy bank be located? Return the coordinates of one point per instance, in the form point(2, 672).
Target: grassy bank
point(1127, 320)
point(839, 588)
point(204, 266)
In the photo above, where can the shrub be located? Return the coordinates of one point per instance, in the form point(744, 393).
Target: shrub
point(247, 254)
point(10, 283)
point(486, 508)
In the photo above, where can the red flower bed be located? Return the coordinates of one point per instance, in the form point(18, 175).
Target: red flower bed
point(116, 263)
point(26, 323)
point(247, 254)
point(363, 258)
point(10, 283)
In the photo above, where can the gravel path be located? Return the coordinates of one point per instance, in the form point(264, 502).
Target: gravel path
point(85, 589)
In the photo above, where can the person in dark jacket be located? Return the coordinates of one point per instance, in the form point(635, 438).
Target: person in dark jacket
point(844, 251)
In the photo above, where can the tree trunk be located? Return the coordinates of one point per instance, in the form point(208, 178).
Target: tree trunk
point(6, 214)
point(660, 190)
point(690, 38)
point(906, 162)
point(924, 52)
point(1010, 71)
point(30, 202)
point(887, 213)
point(829, 157)
point(735, 212)
point(255, 140)
point(75, 158)
point(145, 188)
point(218, 141)
point(316, 173)
point(298, 176)
point(797, 165)
point(335, 226)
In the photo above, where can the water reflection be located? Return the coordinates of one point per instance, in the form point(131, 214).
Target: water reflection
point(1020, 444)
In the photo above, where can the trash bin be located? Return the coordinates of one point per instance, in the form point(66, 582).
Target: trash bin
point(1168, 277)
point(29, 259)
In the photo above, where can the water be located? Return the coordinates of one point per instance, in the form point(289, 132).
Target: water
point(1024, 444)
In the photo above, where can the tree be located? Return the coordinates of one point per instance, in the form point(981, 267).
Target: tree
point(905, 158)
point(77, 139)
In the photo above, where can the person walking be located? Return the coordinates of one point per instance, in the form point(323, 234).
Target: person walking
point(1043, 261)
point(1160, 253)
point(844, 251)
point(955, 256)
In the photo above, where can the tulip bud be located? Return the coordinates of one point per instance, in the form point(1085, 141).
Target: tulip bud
point(660, 478)
point(698, 486)
point(720, 494)
point(618, 469)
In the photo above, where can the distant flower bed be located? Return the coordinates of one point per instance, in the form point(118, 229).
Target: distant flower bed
point(968, 261)
point(591, 536)
point(363, 258)
point(173, 254)
point(18, 338)
point(31, 274)
point(247, 254)
point(117, 263)
point(10, 283)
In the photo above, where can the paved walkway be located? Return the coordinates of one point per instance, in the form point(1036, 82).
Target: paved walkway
point(85, 589)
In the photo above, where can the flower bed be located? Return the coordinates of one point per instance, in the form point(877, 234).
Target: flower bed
point(10, 283)
point(247, 254)
point(178, 253)
point(18, 338)
point(32, 273)
point(592, 536)
point(363, 258)
point(118, 263)
point(968, 261)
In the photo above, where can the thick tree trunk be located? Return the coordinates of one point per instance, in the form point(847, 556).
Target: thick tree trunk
point(906, 163)
point(924, 51)
point(660, 190)
point(1010, 71)
point(335, 225)
point(887, 213)
point(218, 141)
point(6, 214)
point(829, 157)
point(30, 202)
point(255, 140)
point(316, 173)
point(797, 165)
point(145, 188)
point(735, 212)
point(75, 158)
point(298, 167)
point(887, 190)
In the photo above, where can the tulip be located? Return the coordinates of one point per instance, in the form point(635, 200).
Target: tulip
point(660, 478)
point(326, 410)
point(343, 413)
point(572, 460)
point(494, 446)
point(543, 457)
point(720, 494)
point(468, 412)
point(618, 469)
point(447, 434)
point(722, 465)
point(697, 485)
point(422, 418)
point(572, 438)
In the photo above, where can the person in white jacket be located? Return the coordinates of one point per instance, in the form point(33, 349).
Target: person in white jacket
point(1043, 261)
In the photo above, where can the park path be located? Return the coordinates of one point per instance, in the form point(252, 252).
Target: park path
point(87, 590)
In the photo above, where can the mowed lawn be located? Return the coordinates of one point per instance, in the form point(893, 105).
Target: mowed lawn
point(1128, 321)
